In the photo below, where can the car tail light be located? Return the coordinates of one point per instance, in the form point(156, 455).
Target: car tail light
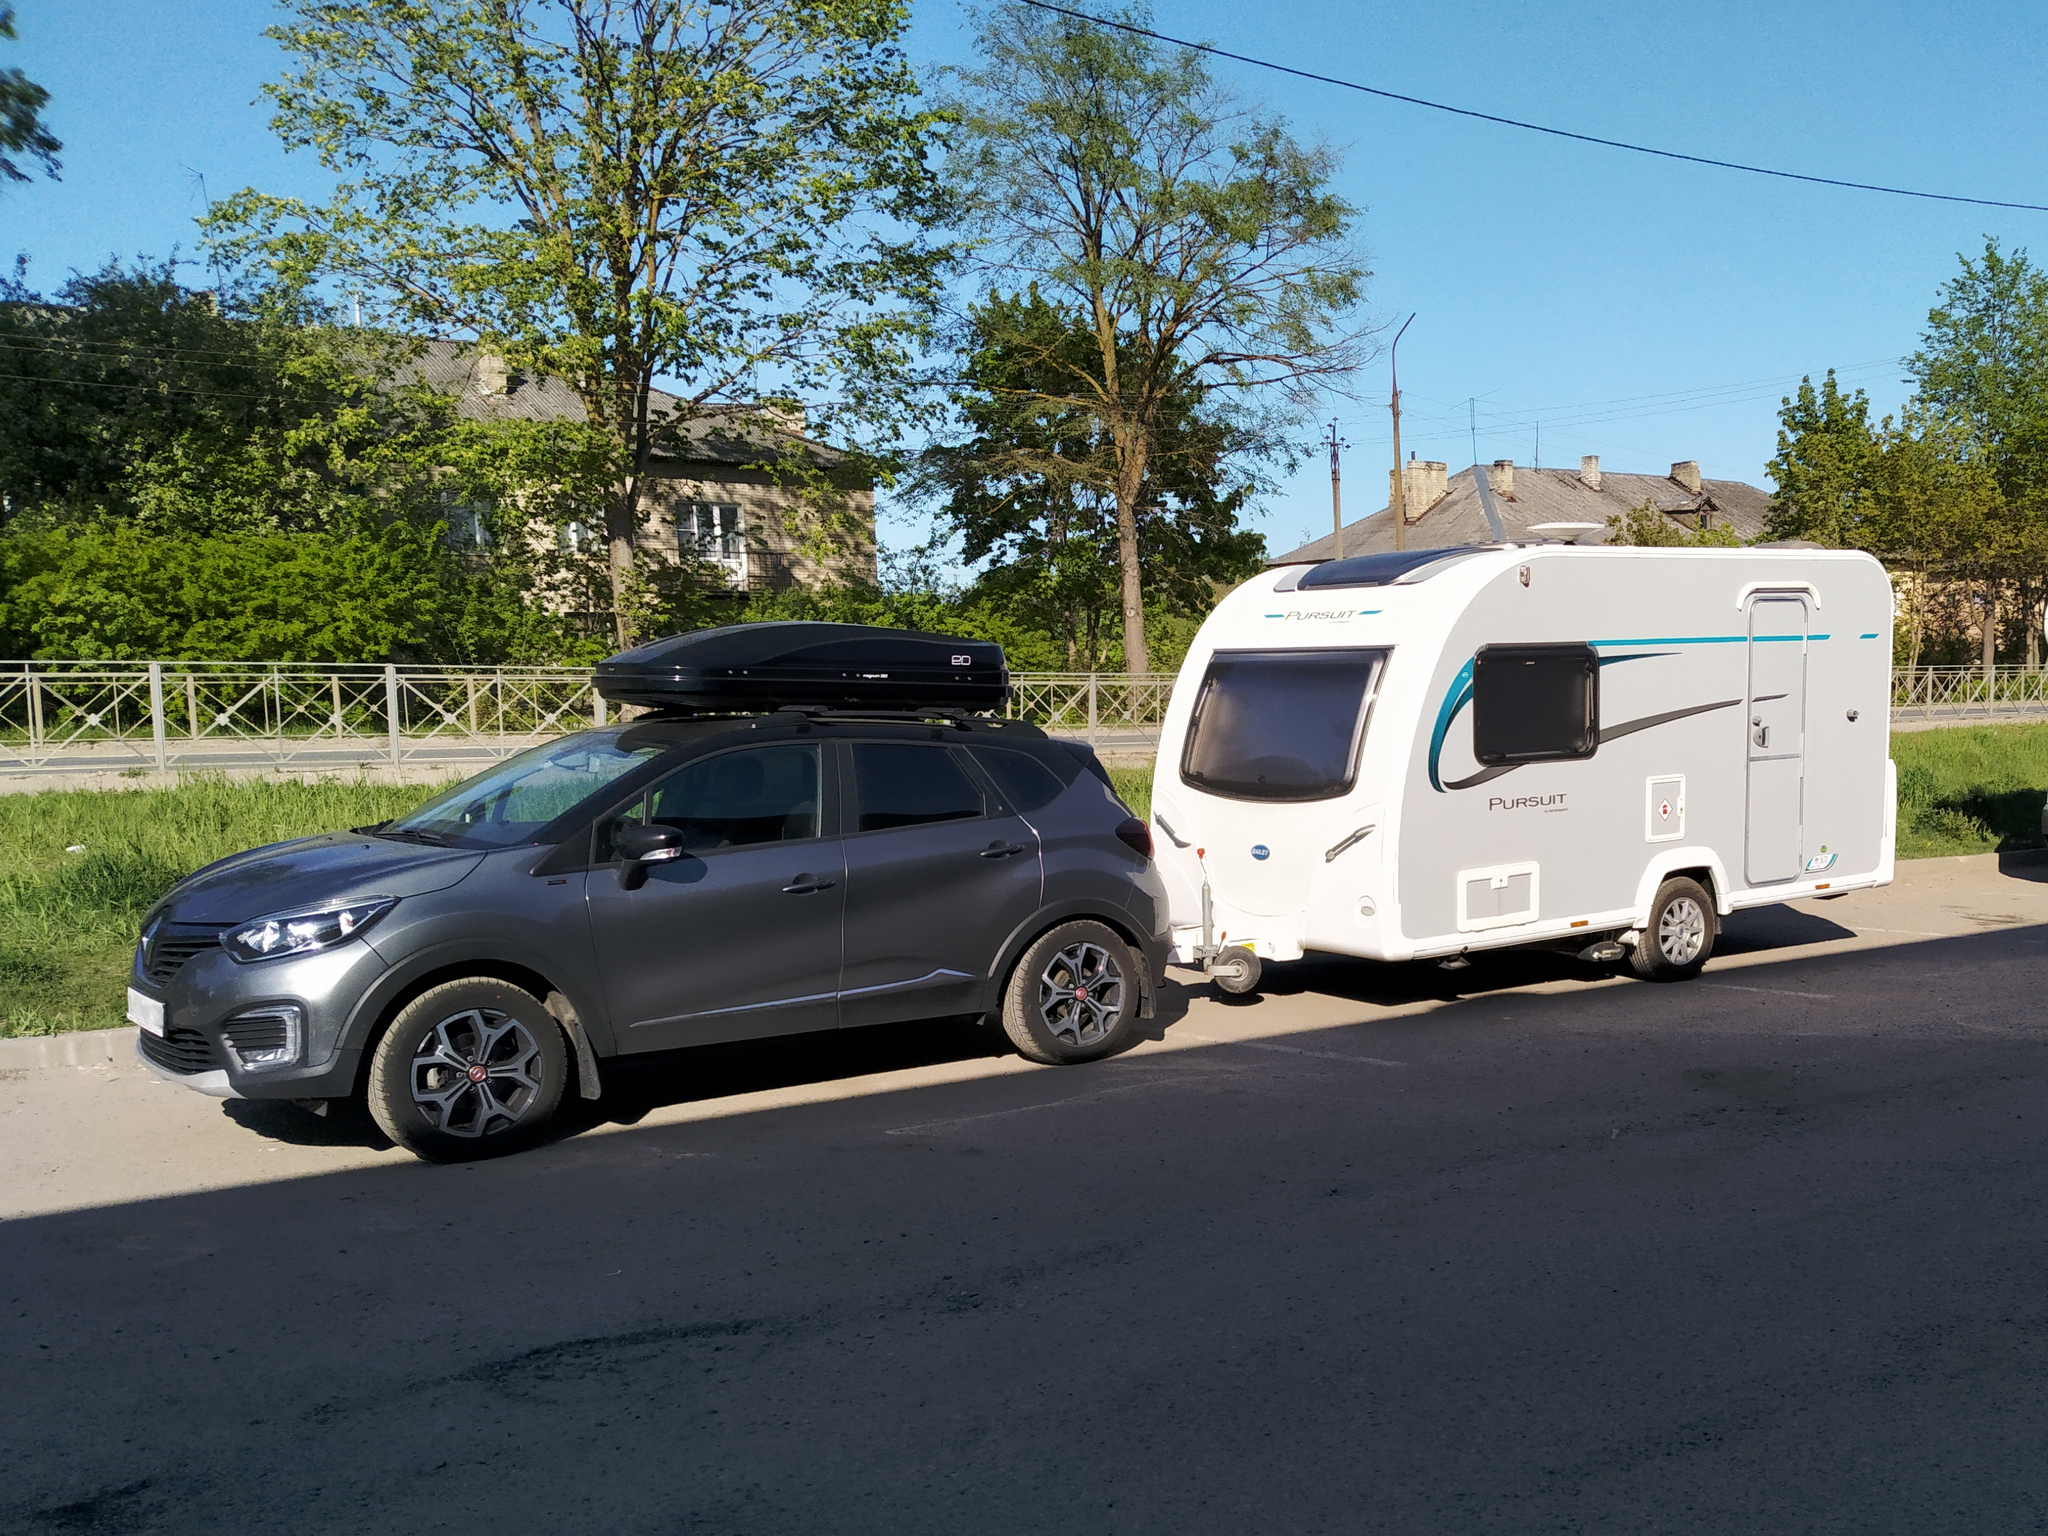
point(1137, 834)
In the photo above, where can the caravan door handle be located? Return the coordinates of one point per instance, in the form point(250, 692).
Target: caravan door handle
point(1001, 850)
point(1762, 735)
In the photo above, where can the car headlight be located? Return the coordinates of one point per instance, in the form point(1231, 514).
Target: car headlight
point(299, 933)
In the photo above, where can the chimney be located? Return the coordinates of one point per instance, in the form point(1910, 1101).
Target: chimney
point(1425, 482)
point(490, 373)
point(1501, 477)
point(1687, 474)
point(1589, 471)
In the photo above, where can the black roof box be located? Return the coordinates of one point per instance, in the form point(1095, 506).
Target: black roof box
point(755, 668)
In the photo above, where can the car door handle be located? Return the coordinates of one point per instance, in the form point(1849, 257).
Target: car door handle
point(805, 884)
point(1001, 850)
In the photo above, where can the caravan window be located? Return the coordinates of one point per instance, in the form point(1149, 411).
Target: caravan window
point(1535, 703)
point(1280, 725)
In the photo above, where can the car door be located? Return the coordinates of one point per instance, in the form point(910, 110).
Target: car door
point(740, 936)
point(938, 874)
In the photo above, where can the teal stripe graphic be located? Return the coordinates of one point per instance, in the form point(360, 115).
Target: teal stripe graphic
point(1704, 639)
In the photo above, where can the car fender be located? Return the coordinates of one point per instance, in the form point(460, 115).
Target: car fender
point(453, 954)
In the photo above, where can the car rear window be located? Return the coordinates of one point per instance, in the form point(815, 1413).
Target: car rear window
point(1280, 725)
point(1025, 782)
point(905, 785)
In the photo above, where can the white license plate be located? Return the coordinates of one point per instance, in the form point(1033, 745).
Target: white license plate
point(146, 1011)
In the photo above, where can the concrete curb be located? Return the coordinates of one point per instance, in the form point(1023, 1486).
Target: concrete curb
point(80, 1048)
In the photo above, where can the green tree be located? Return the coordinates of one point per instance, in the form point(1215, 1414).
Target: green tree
point(1646, 527)
point(1826, 472)
point(1982, 371)
point(21, 118)
point(1199, 242)
point(1030, 486)
point(132, 398)
point(726, 196)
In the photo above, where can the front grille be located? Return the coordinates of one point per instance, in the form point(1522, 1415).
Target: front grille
point(174, 948)
point(180, 1049)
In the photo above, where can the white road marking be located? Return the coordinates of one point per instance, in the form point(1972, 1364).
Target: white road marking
point(1294, 1050)
point(1729, 986)
point(1918, 933)
point(1024, 1109)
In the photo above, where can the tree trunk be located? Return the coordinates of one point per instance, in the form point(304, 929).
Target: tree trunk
point(1130, 488)
point(621, 523)
point(1990, 653)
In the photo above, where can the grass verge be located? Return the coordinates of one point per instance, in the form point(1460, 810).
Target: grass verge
point(1970, 788)
point(78, 868)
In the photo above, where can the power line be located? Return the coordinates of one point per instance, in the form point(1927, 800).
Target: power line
point(1509, 122)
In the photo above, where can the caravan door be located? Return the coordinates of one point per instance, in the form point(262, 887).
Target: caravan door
point(1776, 723)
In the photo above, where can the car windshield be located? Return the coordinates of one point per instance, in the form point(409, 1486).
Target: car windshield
point(1280, 725)
point(513, 801)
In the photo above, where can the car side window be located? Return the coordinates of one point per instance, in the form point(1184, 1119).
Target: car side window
point(734, 800)
point(1025, 782)
point(907, 785)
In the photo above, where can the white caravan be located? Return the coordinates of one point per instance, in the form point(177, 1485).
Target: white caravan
point(1425, 753)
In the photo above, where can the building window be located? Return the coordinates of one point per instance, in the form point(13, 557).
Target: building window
point(1535, 703)
point(573, 537)
point(712, 531)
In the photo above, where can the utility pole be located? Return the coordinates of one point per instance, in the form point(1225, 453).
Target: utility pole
point(1336, 491)
point(1400, 479)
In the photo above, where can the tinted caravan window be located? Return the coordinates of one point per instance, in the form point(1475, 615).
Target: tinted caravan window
point(1535, 703)
point(1280, 725)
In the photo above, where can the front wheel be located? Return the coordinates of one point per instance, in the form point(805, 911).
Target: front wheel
point(469, 1069)
point(1680, 934)
point(1074, 995)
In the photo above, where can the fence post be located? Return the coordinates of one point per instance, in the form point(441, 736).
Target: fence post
point(1091, 708)
point(391, 708)
point(596, 705)
point(35, 710)
point(156, 715)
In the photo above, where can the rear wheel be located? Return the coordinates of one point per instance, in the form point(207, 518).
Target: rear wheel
point(469, 1069)
point(1074, 995)
point(1680, 933)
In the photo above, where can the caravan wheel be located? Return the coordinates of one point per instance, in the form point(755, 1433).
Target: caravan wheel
point(1236, 970)
point(1680, 934)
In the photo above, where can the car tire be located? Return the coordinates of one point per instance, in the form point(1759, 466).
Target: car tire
point(1675, 943)
point(1073, 996)
point(468, 1069)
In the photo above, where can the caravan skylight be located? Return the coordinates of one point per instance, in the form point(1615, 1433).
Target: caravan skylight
point(1404, 566)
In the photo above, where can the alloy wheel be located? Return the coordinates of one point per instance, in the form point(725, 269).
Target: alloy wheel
point(476, 1073)
point(1080, 994)
point(1682, 931)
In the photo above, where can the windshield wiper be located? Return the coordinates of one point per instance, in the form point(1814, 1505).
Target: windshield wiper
point(415, 835)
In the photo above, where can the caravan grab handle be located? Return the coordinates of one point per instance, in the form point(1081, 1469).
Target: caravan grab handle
point(1357, 837)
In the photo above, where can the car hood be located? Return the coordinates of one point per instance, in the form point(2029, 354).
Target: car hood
point(312, 872)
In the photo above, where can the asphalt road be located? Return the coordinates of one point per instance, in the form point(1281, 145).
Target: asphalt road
point(1513, 1249)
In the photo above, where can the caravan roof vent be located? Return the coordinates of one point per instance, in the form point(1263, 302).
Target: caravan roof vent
point(1404, 566)
point(753, 668)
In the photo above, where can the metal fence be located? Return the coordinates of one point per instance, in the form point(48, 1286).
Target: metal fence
point(96, 717)
point(1967, 692)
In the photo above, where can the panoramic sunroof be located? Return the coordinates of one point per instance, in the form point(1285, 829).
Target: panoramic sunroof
point(1378, 570)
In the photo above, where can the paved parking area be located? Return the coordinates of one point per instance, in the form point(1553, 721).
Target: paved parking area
point(1516, 1248)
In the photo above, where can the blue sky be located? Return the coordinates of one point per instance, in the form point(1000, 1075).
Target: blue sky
point(1635, 308)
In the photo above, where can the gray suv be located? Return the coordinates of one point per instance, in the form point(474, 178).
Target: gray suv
point(655, 885)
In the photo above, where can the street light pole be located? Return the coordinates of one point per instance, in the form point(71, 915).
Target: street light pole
point(1336, 492)
point(1400, 479)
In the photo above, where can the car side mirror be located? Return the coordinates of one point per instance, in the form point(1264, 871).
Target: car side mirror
point(641, 846)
